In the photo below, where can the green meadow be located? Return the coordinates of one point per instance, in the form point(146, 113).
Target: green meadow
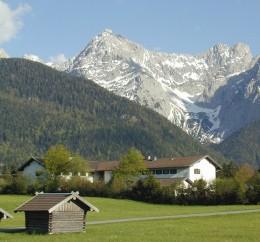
point(240, 227)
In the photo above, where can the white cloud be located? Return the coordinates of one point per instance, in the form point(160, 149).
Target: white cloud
point(3, 53)
point(33, 58)
point(11, 20)
point(58, 59)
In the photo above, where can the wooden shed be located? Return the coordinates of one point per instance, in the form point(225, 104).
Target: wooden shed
point(56, 213)
point(4, 214)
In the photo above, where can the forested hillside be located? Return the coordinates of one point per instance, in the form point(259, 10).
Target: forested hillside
point(40, 107)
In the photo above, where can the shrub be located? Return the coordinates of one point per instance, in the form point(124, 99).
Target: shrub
point(253, 191)
point(226, 191)
point(147, 190)
point(16, 184)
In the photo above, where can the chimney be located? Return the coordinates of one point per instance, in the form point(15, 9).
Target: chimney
point(149, 158)
point(155, 158)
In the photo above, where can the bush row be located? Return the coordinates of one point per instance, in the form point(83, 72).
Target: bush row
point(222, 191)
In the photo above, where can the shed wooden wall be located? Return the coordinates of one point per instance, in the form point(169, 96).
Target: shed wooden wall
point(68, 217)
point(37, 221)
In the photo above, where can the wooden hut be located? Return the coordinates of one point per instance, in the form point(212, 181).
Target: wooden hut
point(56, 213)
point(4, 214)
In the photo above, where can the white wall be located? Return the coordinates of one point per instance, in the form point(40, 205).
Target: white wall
point(31, 169)
point(87, 176)
point(207, 171)
point(107, 176)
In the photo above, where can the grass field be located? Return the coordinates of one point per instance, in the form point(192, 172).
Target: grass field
point(243, 227)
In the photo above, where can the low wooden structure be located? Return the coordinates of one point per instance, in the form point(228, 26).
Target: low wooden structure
point(4, 214)
point(56, 213)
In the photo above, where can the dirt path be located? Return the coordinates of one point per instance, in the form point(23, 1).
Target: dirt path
point(173, 216)
point(193, 215)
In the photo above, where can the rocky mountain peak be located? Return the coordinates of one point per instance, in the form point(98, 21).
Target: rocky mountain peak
point(113, 44)
point(232, 57)
point(178, 86)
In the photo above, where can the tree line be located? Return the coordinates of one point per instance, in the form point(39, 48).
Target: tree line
point(234, 184)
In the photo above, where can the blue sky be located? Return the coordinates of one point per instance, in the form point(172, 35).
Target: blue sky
point(51, 27)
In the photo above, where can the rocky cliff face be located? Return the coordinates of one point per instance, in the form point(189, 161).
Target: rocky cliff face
point(180, 87)
point(240, 100)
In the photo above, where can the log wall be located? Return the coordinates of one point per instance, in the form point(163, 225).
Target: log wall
point(68, 217)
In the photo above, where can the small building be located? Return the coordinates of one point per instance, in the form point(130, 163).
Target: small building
point(36, 166)
point(4, 214)
point(56, 213)
point(32, 167)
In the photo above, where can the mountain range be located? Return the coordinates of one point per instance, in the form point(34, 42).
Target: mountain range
point(212, 96)
point(40, 107)
point(209, 96)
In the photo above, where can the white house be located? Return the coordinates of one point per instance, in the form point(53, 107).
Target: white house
point(31, 167)
point(167, 171)
point(34, 166)
point(191, 168)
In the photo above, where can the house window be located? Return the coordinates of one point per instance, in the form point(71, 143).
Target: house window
point(165, 171)
point(173, 171)
point(196, 171)
point(158, 172)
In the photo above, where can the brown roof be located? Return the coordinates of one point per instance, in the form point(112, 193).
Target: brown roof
point(156, 164)
point(49, 201)
point(172, 162)
point(103, 165)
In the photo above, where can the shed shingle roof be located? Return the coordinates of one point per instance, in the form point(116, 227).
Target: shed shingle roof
point(49, 201)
